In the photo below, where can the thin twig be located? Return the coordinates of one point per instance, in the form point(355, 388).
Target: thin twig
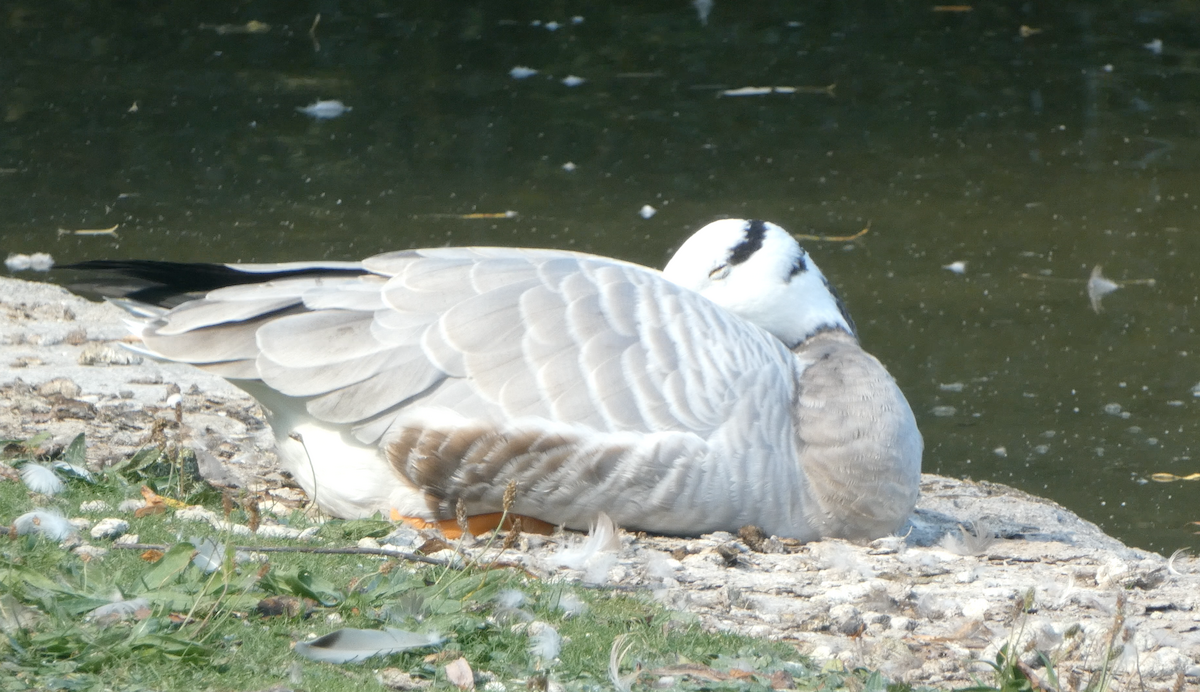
point(836, 238)
point(306, 549)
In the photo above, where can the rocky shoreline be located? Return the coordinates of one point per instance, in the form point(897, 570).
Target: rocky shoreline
point(981, 565)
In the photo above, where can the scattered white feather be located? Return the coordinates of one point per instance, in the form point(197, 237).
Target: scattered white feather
point(41, 479)
point(52, 525)
point(510, 598)
point(552, 26)
point(569, 167)
point(959, 267)
point(703, 9)
point(577, 19)
point(573, 81)
point(119, 610)
point(522, 72)
point(1155, 46)
point(616, 654)
point(350, 645)
point(601, 538)
point(570, 604)
point(594, 555)
point(647, 211)
point(1098, 287)
point(209, 555)
point(544, 641)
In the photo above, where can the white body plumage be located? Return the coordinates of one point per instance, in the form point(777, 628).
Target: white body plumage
point(727, 390)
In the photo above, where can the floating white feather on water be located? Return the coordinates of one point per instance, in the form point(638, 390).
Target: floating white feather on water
point(959, 267)
point(325, 109)
point(522, 72)
point(573, 81)
point(1098, 287)
point(569, 167)
point(552, 26)
point(647, 211)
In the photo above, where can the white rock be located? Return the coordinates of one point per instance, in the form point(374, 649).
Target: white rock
point(110, 528)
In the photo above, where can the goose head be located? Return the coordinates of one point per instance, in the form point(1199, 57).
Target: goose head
point(758, 271)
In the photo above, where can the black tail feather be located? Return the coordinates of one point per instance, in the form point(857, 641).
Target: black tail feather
point(170, 283)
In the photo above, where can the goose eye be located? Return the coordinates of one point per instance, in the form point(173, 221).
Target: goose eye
point(719, 273)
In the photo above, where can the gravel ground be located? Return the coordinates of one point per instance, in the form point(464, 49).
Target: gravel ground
point(981, 565)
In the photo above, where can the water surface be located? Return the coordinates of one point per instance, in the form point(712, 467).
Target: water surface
point(1030, 145)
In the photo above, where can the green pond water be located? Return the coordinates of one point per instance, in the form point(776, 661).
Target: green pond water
point(1028, 142)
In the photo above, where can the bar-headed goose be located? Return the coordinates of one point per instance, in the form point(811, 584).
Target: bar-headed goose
point(728, 389)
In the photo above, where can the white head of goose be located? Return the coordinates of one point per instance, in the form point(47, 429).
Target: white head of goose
point(725, 391)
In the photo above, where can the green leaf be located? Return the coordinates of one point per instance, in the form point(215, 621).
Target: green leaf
point(356, 529)
point(76, 453)
point(169, 567)
point(301, 583)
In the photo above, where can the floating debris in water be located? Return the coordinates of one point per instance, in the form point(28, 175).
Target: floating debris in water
point(522, 72)
point(943, 411)
point(325, 109)
point(703, 9)
point(1027, 31)
point(951, 386)
point(1098, 287)
point(38, 262)
point(569, 167)
point(1000, 451)
point(765, 90)
point(959, 267)
point(112, 230)
point(577, 19)
point(251, 27)
point(1155, 46)
point(552, 26)
point(647, 211)
point(477, 215)
point(573, 81)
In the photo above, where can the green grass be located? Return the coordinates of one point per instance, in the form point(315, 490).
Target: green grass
point(204, 632)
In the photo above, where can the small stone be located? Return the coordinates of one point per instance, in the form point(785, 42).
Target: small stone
point(81, 523)
point(127, 539)
point(59, 386)
point(131, 505)
point(110, 528)
point(90, 552)
point(94, 506)
point(97, 353)
point(396, 679)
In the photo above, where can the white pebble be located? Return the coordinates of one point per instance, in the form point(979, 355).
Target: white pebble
point(110, 528)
